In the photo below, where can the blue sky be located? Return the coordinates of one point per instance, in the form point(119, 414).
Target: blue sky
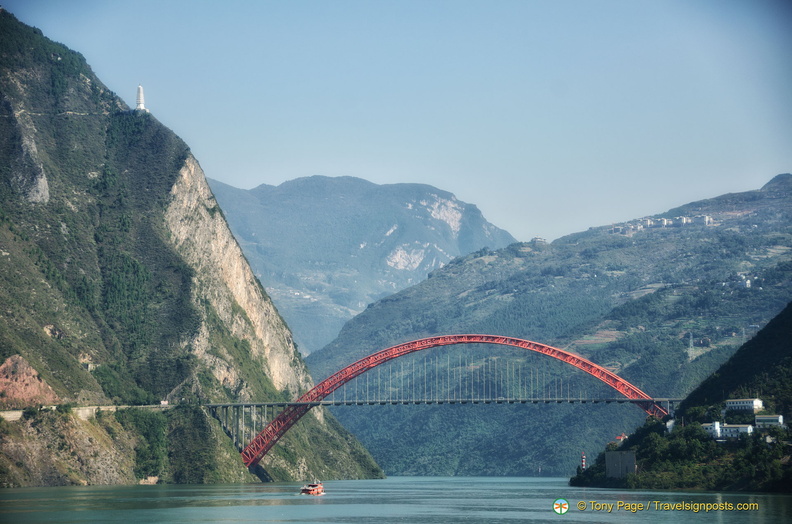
point(551, 116)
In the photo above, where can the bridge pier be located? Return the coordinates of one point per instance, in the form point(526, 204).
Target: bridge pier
point(240, 421)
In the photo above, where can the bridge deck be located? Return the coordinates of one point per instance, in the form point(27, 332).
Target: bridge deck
point(369, 402)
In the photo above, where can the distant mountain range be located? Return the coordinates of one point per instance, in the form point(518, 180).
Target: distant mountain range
point(327, 247)
point(660, 300)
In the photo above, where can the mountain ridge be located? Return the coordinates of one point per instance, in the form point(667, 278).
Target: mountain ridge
point(659, 300)
point(327, 246)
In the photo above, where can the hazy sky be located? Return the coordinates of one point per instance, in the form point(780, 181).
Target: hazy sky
point(551, 116)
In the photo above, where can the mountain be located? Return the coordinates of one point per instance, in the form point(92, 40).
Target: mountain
point(327, 247)
point(687, 457)
point(762, 367)
point(121, 283)
point(661, 301)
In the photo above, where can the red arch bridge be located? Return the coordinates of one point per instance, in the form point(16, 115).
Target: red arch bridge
point(293, 411)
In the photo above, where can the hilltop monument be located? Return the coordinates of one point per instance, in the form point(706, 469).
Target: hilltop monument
point(141, 106)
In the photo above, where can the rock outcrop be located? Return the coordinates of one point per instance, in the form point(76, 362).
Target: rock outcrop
point(224, 278)
point(21, 385)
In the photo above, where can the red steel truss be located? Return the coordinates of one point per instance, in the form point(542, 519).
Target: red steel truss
point(265, 440)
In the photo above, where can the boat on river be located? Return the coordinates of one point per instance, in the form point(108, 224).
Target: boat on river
point(315, 488)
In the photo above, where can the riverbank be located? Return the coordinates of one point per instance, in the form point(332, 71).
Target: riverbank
point(688, 458)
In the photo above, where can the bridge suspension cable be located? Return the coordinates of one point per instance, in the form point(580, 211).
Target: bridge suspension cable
point(266, 439)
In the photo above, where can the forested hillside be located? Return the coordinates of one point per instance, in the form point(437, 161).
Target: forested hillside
point(687, 457)
point(120, 283)
point(662, 301)
point(761, 368)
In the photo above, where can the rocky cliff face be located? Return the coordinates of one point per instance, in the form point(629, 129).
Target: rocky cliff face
point(57, 449)
point(224, 278)
point(121, 283)
point(28, 177)
point(22, 386)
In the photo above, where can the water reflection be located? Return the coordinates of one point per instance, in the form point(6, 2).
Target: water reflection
point(406, 499)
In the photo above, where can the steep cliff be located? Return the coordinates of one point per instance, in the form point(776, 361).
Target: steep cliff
point(121, 283)
point(224, 279)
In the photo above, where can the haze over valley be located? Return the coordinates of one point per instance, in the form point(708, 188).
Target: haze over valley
point(141, 299)
point(325, 247)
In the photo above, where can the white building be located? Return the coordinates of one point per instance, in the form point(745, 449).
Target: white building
point(720, 431)
point(744, 404)
point(769, 421)
point(735, 430)
point(713, 429)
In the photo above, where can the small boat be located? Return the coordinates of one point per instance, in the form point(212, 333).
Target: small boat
point(312, 489)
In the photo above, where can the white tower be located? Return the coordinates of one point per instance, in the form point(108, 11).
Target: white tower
point(140, 101)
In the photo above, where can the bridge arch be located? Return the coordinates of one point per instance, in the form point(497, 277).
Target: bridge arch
point(267, 438)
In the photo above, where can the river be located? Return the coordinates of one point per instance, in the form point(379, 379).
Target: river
point(424, 500)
